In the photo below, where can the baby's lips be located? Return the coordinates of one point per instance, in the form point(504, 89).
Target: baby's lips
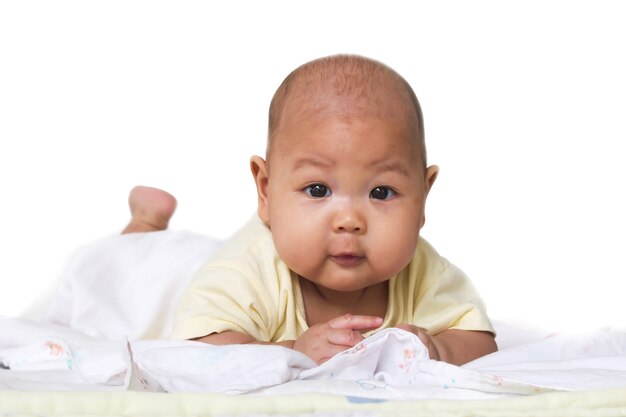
point(347, 259)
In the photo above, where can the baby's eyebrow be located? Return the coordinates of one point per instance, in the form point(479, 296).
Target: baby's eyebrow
point(314, 161)
point(391, 166)
point(324, 163)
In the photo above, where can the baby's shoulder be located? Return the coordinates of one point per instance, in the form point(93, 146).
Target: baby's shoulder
point(250, 251)
point(427, 265)
point(425, 253)
point(254, 236)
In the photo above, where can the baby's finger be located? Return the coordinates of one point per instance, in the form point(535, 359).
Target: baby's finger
point(344, 337)
point(355, 322)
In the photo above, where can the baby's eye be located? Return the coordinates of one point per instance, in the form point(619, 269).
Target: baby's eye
point(317, 190)
point(382, 193)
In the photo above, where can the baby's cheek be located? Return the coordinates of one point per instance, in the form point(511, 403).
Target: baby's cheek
point(394, 248)
point(295, 246)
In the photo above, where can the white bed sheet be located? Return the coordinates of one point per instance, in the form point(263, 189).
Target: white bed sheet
point(392, 364)
point(106, 327)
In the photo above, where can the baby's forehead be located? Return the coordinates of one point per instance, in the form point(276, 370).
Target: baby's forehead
point(313, 129)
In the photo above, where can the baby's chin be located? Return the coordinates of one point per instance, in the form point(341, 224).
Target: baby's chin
point(344, 284)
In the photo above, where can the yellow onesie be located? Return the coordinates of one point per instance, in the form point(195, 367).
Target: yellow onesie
point(247, 288)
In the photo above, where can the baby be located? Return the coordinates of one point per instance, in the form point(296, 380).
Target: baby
point(334, 253)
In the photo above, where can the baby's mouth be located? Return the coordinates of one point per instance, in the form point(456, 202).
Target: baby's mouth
point(347, 259)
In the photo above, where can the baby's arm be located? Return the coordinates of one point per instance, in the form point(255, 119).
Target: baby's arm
point(320, 342)
point(462, 346)
point(455, 346)
point(236, 338)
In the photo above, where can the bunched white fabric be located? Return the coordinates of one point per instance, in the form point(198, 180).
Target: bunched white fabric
point(102, 329)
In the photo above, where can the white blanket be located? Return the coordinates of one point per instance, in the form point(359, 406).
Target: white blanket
point(117, 298)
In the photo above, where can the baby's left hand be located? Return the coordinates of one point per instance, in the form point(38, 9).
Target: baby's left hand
point(426, 339)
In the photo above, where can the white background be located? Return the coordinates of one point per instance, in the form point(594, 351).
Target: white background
point(524, 102)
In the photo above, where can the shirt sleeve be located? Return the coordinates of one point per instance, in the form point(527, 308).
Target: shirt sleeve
point(225, 298)
point(450, 301)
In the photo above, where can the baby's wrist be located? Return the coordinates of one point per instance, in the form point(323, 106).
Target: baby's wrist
point(287, 343)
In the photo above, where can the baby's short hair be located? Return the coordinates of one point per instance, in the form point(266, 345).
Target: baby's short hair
point(350, 76)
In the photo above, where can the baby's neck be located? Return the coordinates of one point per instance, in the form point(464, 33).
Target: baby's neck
point(322, 304)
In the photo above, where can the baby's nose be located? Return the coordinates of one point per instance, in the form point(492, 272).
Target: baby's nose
point(348, 220)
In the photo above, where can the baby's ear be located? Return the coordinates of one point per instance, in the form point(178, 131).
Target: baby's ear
point(258, 166)
point(430, 177)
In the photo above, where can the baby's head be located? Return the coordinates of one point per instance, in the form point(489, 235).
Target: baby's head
point(345, 181)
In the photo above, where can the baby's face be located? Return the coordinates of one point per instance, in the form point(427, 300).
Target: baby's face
point(345, 196)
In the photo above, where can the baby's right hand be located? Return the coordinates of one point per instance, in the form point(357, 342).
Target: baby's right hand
point(323, 341)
